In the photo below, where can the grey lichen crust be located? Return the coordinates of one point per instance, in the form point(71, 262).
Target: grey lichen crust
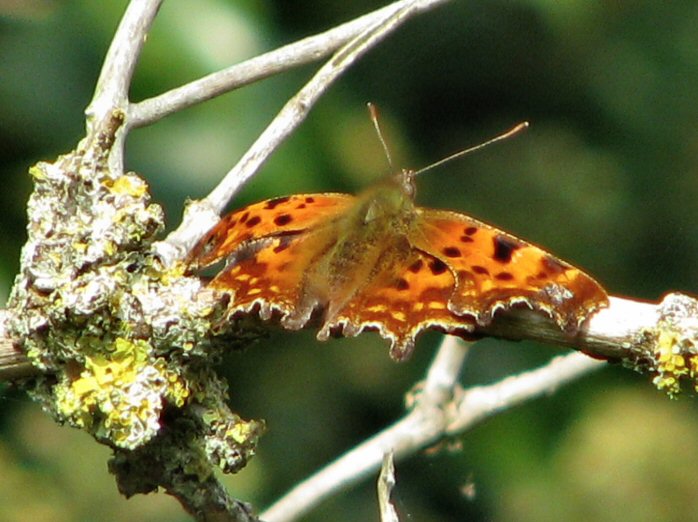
point(123, 343)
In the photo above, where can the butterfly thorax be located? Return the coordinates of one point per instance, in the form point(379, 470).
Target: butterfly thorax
point(363, 244)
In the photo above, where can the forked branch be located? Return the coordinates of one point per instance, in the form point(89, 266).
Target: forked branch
point(441, 408)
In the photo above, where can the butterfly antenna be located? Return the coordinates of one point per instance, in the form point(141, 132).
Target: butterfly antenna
point(508, 134)
point(373, 111)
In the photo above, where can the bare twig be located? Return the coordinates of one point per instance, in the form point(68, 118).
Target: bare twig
point(111, 91)
point(434, 416)
point(481, 402)
point(114, 80)
point(386, 483)
point(608, 333)
point(258, 68)
point(298, 107)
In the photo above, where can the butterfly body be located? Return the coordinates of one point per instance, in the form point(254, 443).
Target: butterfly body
point(378, 262)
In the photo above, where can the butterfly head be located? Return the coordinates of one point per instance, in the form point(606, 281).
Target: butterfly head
point(405, 180)
point(391, 198)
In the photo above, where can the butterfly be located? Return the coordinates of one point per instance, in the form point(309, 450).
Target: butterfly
point(376, 261)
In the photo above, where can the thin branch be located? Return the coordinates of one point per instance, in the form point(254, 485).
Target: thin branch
point(386, 483)
point(288, 119)
point(445, 370)
point(620, 332)
point(612, 333)
point(432, 419)
point(258, 68)
point(111, 92)
point(120, 61)
point(481, 402)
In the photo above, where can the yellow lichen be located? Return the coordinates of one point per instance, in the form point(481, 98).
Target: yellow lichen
point(242, 431)
point(37, 173)
point(124, 391)
point(128, 185)
point(670, 364)
point(693, 370)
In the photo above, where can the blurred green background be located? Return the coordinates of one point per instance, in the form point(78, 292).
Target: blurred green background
point(606, 178)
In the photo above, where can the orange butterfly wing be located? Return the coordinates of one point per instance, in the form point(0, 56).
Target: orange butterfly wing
point(272, 217)
point(460, 272)
point(268, 246)
point(495, 270)
point(400, 303)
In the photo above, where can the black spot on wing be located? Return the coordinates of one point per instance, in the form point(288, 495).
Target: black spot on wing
point(273, 203)
point(283, 219)
point(437, 267)
point(416, 266)
point(451, 251)
point(504, 248)
point(253, 221)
